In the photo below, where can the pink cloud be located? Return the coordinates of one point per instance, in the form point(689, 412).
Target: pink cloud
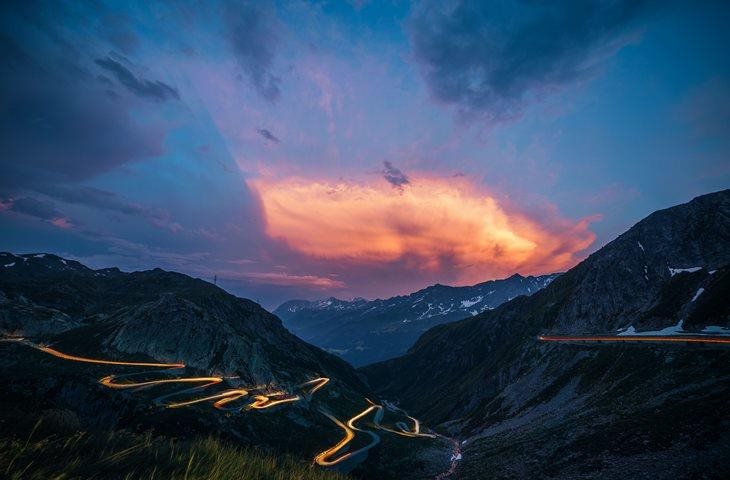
point(62, 222)
point(433, 225)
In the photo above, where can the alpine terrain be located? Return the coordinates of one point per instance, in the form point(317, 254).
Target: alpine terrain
point(139, 360)
point(363, 332)
point(526, 401)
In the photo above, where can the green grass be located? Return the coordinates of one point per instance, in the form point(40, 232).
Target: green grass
point(125, 455)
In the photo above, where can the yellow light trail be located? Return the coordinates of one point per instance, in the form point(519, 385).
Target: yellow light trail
point(317, 382)
point(108, 381)
point(232, 396)
point(349, 428)
point(75, 358)
point(405, 433)
point(221, 399)
point(321, 458)
point(634, 338)
point(263, 401)
point(325, 458)
point(402, 432)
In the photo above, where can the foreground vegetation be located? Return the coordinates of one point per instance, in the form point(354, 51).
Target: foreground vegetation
point(125, 455)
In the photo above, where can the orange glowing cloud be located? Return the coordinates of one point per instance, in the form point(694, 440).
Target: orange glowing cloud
point(436, 223)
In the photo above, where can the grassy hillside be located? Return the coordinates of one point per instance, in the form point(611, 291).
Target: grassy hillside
point(48, 453)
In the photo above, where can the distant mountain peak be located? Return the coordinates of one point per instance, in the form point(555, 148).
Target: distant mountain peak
point(363, 331)
point(669, 273)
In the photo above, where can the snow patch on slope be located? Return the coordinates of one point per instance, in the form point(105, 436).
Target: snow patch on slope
point(674, 271)
point(471, 301)
point(671, 330)
point(697, 295)
point(715, 329)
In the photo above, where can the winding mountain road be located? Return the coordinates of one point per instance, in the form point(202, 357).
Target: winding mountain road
point(261, 400)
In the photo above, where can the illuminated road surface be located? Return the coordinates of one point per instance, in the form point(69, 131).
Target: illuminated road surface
point(266, 401)
point(325, 457)
point(636, 338)
point(329, 457)
point(221, 399)
point(109, 381)
point(74, 358)
point(317, 382)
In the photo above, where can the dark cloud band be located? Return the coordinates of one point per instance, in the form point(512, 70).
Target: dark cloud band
point(489, 57)
point(394, 175)
point(253, 36)
point(268, 135)
point(139, 86)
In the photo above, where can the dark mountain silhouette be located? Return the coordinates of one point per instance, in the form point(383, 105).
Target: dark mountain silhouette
point(535, 410)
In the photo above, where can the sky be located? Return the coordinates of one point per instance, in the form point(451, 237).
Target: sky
point(301, 149)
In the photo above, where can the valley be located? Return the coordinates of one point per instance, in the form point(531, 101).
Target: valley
point(621, 364)
point(237, 401)
point(576, 378)
point(364, 332)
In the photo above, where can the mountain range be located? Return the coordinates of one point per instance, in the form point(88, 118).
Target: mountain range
point(155, 358)
point(363, 331)
point(566, 382)
point(526, 408)
point(158, 314)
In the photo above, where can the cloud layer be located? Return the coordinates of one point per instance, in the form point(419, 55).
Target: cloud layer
point(442, 225)
point(131, 131)
point(60, 124)
point(489, 58)
point(252, 31)
point(139, 86)
point(393, 175)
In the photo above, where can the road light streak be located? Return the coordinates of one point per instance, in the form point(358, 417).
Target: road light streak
point(108, 381)
point(236, 393)
point(232, 396)
point(317, 382)
point(403, 431)
point(222, 399)
point(263, 401)
point(635, 338)
point(349, 428)
point(321, 458)
point(75, 358)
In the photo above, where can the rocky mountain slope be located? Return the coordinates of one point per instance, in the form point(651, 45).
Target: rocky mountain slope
point(158, 316)
point(163, 315)
point(246, 379)
point(363, 331)
point(529, 409)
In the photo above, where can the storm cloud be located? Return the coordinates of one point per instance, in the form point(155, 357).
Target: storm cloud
point(268, 135)
point(139, 86)
point(253, 36)
point(101, 200)
point(59, 125)
point(34, 207)
point(491, 57)
point(394, 175)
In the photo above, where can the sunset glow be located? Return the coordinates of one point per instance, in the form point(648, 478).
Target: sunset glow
point(437, 223)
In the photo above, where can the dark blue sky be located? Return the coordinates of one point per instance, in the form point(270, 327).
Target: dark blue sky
point(307, 149)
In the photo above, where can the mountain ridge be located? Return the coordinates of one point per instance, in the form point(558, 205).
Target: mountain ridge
point(195, 321)
point(521, 403)
point(363, 331)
